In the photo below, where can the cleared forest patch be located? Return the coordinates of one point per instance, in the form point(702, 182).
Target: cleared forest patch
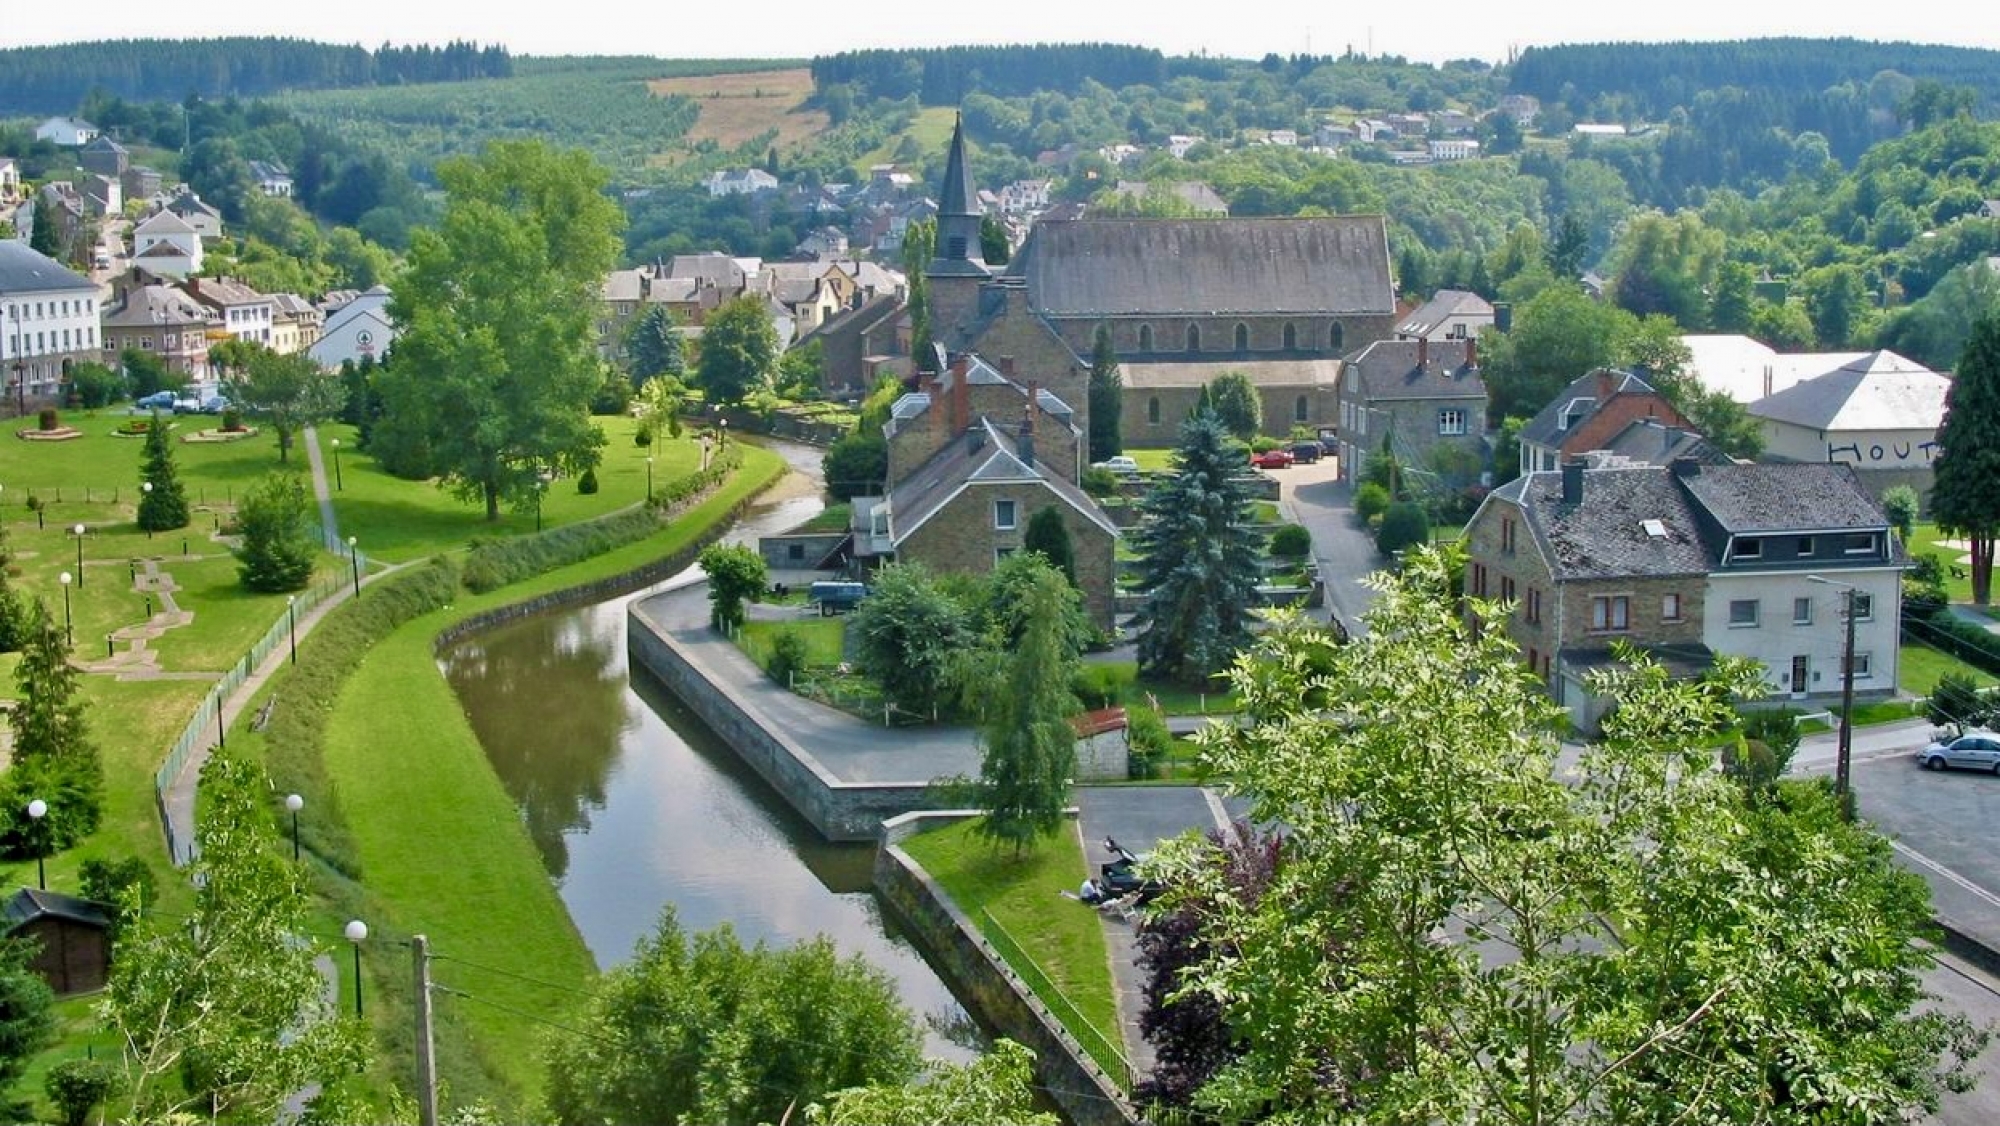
point(738, 108)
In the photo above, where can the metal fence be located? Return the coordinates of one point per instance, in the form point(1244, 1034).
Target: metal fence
point(1109, 1056)
point(206, 727)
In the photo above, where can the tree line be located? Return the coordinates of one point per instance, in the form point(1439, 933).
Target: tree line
point(54, 79)
point(940, 76)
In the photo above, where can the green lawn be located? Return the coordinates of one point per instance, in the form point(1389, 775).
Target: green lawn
point(832, 518)
point(825, 638)
point(1064, 938)
point(1119, 681)
point(1153, 461)
point(930, 130)
point(1924, 541)
point(1920, 666)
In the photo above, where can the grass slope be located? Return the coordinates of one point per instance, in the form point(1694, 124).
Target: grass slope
point(735, 109)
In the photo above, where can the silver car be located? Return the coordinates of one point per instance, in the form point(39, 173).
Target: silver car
point(1979, 750)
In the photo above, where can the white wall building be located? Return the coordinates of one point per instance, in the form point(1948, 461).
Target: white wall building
point(48, 322)
point(167, 246)
point(69, 132)
point(361, 328)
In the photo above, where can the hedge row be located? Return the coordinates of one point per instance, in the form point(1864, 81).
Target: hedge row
point(493, 564)
point(1970, 643)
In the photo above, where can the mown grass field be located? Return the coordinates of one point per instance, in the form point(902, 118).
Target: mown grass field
point(734, 109)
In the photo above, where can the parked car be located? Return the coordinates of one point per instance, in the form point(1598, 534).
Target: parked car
point(1120, 464)
point(187, 405)
point(1977, 750)
point(1272, 459)
point(1305, 453)
point(214, 404)
point(157, 401)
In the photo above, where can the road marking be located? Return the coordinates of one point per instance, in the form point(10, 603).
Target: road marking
point(1984, 895)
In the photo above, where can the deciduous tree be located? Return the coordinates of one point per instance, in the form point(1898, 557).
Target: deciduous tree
point(906, 634)
point(278, 549)
point(1028, 748)
point(1199, 559)
point(996, 1089)
point(1236, 405)
point(738, 348)
point(496, 364)
point(736, 574)
point(1966, 498)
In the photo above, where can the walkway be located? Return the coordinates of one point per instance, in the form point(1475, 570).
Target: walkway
point(1344, 554)
point(328, 522)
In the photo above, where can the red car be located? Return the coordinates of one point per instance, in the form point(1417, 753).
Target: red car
point(1272, 459)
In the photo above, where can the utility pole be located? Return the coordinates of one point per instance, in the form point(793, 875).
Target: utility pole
point(427, 1094)
point(1841, 782)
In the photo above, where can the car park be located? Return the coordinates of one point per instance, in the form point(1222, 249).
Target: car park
point(1272, 459)
point(1974, 750)
point(1120, 464)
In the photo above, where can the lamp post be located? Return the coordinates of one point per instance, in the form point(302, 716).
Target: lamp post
point(294, 803)
point(21, 388)
point(338, 485)
point(541, 488)
point(354, 564)
point(722, 427)
point(37, 810)
point(357, 932)
point(649, 477)
point(146, 489)
point(1843, 756)
point(292, 618)
point(79, 530)
point(69, 630)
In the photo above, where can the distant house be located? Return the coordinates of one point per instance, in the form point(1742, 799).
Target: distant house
point(66, 132)
point(826, 242)
point(1333, 136)
point(1023, 196)
point(102, 195)
point(1416, 397)
point(295, 323)
point(1452, 122)
point(1598, 129)
point(1195, 195)
point(858, 344)
point(167, 246)
point(1689, 561)
point(140, 182)
point(1450, 314)
point(1747, 370)
point(71, 937)
point(1374, 130)
point(1989, 209)
point(271, 178)
point(10, 179)
point(1454, 148)
point(1523, 108)
point(206, 220)
point(105, 157)
point(1589, 413)
point(1179, 143)
point(741, 181)
point(147, 315)
point(244, 314)
point(359, 329)
point(1879, 414)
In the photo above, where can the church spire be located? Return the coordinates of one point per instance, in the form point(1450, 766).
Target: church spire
point(957, 198)
point(958, 215)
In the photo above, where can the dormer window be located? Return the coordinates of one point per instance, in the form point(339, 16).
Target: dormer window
point(1862, 543)
point(1748, 547)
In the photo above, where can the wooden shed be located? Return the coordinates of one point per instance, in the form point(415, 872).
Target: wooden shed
point(74, 936)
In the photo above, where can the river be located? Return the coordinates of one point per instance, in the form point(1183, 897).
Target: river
point(636, 805)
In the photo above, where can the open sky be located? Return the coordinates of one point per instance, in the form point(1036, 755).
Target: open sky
point(794, 29)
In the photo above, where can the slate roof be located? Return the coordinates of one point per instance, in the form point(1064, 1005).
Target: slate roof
point(23, 270)
point(147, 306)
point(1387, 369)
point(1785, 498)
point(956, 198)
point(624, 285)
point(1879, 391)
point(1747, 370)
point(1605, 536)
point(854, 320)
point(994, 460)
point(224, 292)
point(29, 904)
point(1646, 441)
point(1194, 193)
point(164, 223)
point(1320, 372)
point(1584, 397)
point(1444, 305)
point(1207, 267)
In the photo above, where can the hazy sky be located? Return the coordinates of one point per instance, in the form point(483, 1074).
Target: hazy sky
point(788, 28)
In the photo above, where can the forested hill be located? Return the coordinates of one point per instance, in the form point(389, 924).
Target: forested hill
point(56, 79)
point(945, 75)
point(1656, 77)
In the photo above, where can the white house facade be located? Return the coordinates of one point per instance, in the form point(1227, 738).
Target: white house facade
point(48, 322)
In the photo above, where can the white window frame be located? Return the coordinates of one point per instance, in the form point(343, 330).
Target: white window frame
point(1864, 606)
point(1756, 613)
point(1013, 511)
point(1866, 547)
point(1611, 613)
point(1747, 547)
point(1451, 422)
point(1670, 607)
point(1864, 666)
point(1799, 604)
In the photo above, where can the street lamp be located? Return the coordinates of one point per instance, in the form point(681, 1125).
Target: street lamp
point(37, 810)
point(21, 388)
point(292, 617)
point(357, 932)
point(79, 529)
point(145, 487)
point(354, 564)
point(722, 425)
point(649, 477)
point(295, 803)
point(68, 630)
point(338, 485)
point(1842, 783)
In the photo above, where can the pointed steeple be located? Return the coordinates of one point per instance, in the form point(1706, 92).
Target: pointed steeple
point(958, 216)
point(956, 198)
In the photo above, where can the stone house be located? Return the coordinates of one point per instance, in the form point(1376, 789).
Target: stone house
point(150, 316)
point(1688, 561)
point(1418, 397)
point(1450, 314)
point(858, 344)
point(1159, 396)
point(1591, 411)
point(105, 157)
point(244, 313)
point(973, 456)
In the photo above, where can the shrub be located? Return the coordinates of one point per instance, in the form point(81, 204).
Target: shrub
point(1968, 642)
point(1261, 445)
point(1776, 732)
point(1147, 741)
point(278, 548)
point(1100, 482)
point(1924, 592)
point(1900, 504)
point(1403, 525)
point(78, 1085)
point(587, 484)
point(232, 420)
point(48, 419)
point(1370, 500)
point(135, 426)
point(1095, 686)
point(93, 385)
point(788, 656)
point(1291, 541)
point(642, 437)
point(1956, 703)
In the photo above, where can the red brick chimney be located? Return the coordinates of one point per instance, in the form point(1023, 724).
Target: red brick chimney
point(1423, 352)
point(1007, 366)
point(929, 386)
point(1472, 351)
point(1603, 384)
point(961, 397)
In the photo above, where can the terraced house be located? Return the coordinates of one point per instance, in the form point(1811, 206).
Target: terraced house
point(1691, 560)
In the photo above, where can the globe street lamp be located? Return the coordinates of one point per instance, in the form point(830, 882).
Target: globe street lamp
point(292, 616)
point(354, 564)
point(37, 810)
point(145, 487)
point(723, 429)
point(337, 483)
point(294, 803)
point(68, 630)
point(357, 932)
point(79, 530)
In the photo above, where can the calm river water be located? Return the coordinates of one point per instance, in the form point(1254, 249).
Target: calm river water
point(636, 805)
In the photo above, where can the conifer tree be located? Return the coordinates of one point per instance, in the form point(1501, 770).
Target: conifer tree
point(1199, 559)
point(1048, 535)
point(53, 757)
point(1106, 396)
point(13, 615)
point(1966, 499)
point(164, 506)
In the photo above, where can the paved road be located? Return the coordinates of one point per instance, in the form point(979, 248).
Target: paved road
point(1343, 551)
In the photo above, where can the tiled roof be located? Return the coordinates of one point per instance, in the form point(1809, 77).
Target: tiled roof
point(1387, 369)
point(1785, 497)
point(1582, 398)
point(1208, 267)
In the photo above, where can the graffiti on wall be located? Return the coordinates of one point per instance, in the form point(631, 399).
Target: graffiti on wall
point(1867, 455)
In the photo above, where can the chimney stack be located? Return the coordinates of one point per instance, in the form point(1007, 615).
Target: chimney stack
point(1767, 381)
point(1684, 467)
point(929, 385)
point(961, 396)
point(1007, 366)
point(1572, 481)
point(1603, 384)
point(1423, 352)
point(1472, 351)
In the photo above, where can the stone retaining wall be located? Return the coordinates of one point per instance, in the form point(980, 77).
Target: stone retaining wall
point(841, 811)
point(1087, 1096)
